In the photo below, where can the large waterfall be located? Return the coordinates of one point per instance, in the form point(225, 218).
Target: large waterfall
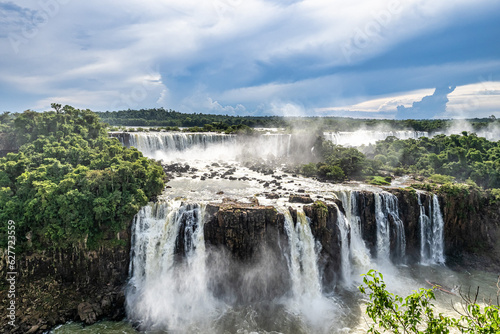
point(390, 228)
point(431, 232)
point(359, 253)
point(162, 293)
point(164, 144)
point(191, 268)
point(303, 266)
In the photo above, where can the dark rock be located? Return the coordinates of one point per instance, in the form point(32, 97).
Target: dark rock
point(248, 235)
point(305, 199)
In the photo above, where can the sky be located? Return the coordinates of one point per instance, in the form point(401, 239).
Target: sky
point(365, 59)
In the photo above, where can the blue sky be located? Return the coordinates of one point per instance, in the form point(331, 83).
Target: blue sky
point(371, 59)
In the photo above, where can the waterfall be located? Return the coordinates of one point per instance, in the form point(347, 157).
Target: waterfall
point(303, 259)
point(161, 293)
point(345, 259)
point(437, 232)
point(365, 137)
point(431, 232)
point(150, 142)
point(425, 232)
point(387, 212)
point(359, 253)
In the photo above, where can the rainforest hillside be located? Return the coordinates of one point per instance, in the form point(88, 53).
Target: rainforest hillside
point(69, 182)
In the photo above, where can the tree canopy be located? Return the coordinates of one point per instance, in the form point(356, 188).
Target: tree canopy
point(69, 182)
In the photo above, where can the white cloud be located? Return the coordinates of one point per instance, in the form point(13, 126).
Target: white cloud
point(104, 50)
point(384, 103)
point(476, 100)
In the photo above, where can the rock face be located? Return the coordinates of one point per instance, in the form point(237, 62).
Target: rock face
point(252, 235)
point(471, 229)
point(366, 207)
point(77, 284)
point(409, 211)
point(248, 248)
point(325, 229)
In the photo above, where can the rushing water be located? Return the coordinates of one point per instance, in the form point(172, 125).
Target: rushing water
point(168, 293)
point(431, 232)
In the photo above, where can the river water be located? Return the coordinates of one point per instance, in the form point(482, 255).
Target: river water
point(164, 298)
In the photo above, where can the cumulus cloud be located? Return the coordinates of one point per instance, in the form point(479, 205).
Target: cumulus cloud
point(246, 54)
point(429, 107)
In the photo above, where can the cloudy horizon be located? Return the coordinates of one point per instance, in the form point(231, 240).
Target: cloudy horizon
point(366, 59)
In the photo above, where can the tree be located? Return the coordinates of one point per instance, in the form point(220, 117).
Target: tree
point(416, 314)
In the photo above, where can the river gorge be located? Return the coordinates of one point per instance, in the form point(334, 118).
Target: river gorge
point(238, 243)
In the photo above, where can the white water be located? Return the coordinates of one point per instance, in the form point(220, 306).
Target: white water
point(431, 233)
point(303, 258)
point(162, 294)
point(359, 255)
point(437, 244)
point(386, 210)
point(150, 142)
point(165, 295)
point(168, 145)
point(345, 259)
point(366, 137)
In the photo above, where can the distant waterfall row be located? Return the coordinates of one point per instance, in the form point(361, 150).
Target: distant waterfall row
point(365, 137)
point(275, 144)
point(150, 143)
point(171, 283)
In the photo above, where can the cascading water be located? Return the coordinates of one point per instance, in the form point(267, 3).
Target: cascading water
point(386, 211)
point(303, 258)
point(365, 137)
point(345, 259)
point(425, 232)
point(151, 142)
point(431, 232)
point(163, 294)
point(437, 245)
point(359, 253)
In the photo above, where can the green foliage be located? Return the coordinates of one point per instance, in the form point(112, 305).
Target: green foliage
point(171, 118)
point(463, 157)
point(415, 313)
point(441, 179)
point(309, 169)
point(379, 180)
point(494, 196)
point(69, 181)
point(338, 163)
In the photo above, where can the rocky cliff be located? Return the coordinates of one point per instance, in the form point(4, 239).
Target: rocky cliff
point(57, 286)
point(248, 246)
point(246, 242)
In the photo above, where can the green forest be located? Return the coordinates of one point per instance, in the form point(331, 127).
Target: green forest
point(440, 160)
point(69, 182)
point(159, 117)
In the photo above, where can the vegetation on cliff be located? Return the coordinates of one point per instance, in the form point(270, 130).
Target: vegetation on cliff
point(466, 158)
point(461, 156)
point(170, 118)
point(416, 313)
point(69, 182)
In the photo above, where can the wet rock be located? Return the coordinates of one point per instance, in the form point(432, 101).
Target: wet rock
point(220, 193)
point(88, 313)
point(305, 199)
point(272, 196)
